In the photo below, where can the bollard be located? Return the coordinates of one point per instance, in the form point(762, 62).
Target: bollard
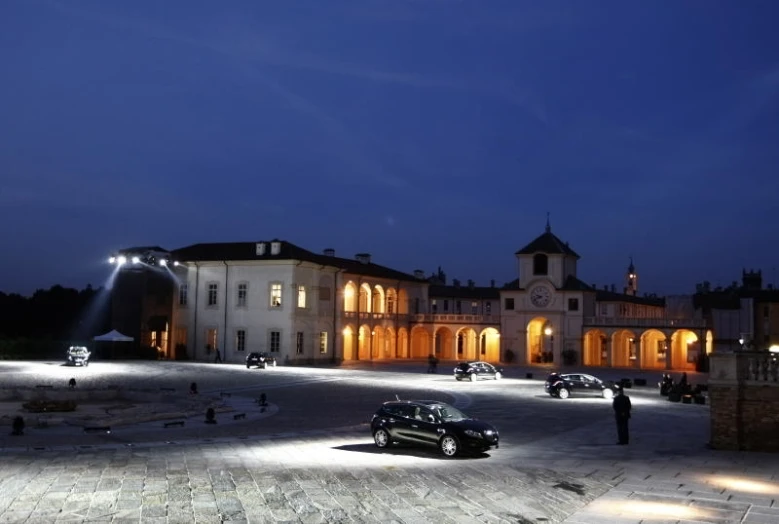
point(210, 416)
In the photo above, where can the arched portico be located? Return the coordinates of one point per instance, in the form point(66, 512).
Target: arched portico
point(465, 341)
point(378, 299)
point(391, 306)
point(684, 349)
point(420, 342)
point(654, 345)
point(390, 343)
point(402, 351)
point(444, 343)
point(489, 345)
point(365, 298)
point(540, 341)
point(623, 347)
point(595, 352)
point(363, 343)
point(350, 296)
point(348, 343)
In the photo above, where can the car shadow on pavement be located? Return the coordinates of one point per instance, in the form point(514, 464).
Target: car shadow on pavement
point(406, 451)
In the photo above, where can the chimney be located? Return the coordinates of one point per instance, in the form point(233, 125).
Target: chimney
point(470, 284)
point(492, 283)
point(363, 258)
point(419, 273)
point(260, 249)
point(329, 252)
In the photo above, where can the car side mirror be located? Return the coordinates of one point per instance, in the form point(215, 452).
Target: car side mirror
point(431, 419)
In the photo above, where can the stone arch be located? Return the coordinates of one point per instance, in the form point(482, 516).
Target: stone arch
point(489, 345)
point(539, 344)
point(420, 342)
point(365, 298)
point(684, 347)
point(402, 301)
point(391, 306)
point(465, 344)
point(390, 343)
point(444, 343)
point(653, 349)
point(402, 351)
point(623, 348)
point(350, 296)
point(709, 342)
point(348, 343)
point(378, 341)
point(595, 351)
point(364, 343)
point(377, 302)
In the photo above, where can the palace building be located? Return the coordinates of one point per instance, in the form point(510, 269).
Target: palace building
point(308, 307)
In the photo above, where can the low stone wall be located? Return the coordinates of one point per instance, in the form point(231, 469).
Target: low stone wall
point(744, 398)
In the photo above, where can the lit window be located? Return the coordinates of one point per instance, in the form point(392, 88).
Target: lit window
point(301, 296)
point(183, 294)
point(488, 308)
point(240, 340)
point(390, 304)
point(323, 342)
point(242, 289)
point(213, 294)
point(434, 306)
point(474, 308)
point(275, 341)
point(275, 295)
point(299, 343)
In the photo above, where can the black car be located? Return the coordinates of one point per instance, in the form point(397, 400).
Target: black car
point(475, 370)
point(78, 356)
point(431, 423)
point(261, 360)
point(563, 385)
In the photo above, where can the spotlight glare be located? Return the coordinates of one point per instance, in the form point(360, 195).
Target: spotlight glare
point(121, 260)
point(136, 260)
point(111, 260)
point(176, 263)
point(163, 262)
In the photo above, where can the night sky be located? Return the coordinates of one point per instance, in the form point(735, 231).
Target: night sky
point(425, 132)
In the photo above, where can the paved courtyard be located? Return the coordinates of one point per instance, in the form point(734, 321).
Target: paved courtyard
point(307, 456)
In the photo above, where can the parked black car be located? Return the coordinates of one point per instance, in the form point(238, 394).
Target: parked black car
point(78, 356)
point(261, 360)
point(563, 385)
point(431, 423)
point(475, 370)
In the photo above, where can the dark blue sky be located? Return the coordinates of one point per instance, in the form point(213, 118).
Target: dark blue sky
point(425, 132)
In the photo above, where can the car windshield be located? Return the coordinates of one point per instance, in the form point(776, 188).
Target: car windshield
point(78, 351)
point(464, 366)
point(448, 413)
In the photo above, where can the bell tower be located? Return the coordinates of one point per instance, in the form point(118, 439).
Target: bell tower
point(631, 279)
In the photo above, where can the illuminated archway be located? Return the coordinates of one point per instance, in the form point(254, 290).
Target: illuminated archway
point(684, 349)
point(390, 343)
point(364, 343)
point(377, 343)
point(348, 343)
point(378, 299)
point(653, 349)
point(365, 298)
point(595, 348)
point(465, 343)
point(420, 342)
point(350, 296)
point(540, 340)
point(709, 342)
point(623, 348)
point(489, 345)
point(444, 343)
point(391, 307)
point(403, 348)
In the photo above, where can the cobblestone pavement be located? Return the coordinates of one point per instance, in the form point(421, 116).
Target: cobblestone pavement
point(309, 456)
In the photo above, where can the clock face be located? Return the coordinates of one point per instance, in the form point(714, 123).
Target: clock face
point(540, 296)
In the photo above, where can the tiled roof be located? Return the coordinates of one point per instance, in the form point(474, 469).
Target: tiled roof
point(602, 295)
point(237, 251)
point(549, 244)
point(464, 292)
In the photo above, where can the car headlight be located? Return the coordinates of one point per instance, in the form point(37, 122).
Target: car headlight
point(473, 434)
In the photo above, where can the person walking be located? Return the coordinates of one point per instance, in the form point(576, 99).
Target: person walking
point(218, 358)
point(622, 408)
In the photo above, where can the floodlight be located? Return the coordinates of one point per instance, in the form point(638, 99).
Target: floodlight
point(136, 260)
point(111, 260)
point(121, 260)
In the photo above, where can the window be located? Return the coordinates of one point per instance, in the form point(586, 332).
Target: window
point(573, 304)
point(434, 306)
point(275, 295)
point(275, 341)
point(509, 304)
point(213, 294)
point(301, 296)
point(323, 342)
point(540, 264)
point(183, 294)
point(488, 308)
point(324, 293)
point(474, 308)
point(240, 340)
point(242, 289)
point(390, 304)
point(299, 343)
point(446, 306)
point(604, 310)
point(458, 307)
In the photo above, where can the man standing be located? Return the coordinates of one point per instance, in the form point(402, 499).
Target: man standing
point(218, 358)
point(622, 408)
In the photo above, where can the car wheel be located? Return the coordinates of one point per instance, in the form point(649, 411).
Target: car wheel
point(381, 438)
point(274, 364)
point(247, 366)
point(472, 377)
point(498, 376)
point(449, 445)
point(458, 379)
point(563, 393)
point(608, 393)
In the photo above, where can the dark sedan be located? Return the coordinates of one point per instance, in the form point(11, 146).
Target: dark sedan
point(431, 423)
point(476, 370)
point(261, 360)
point(563, 385)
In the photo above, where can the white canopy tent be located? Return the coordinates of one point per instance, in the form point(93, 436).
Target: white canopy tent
point(113, 336)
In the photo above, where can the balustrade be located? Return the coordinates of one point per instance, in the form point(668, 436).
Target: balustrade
point(645, 322)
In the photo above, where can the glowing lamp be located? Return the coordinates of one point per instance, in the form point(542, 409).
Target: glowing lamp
point(163, 262)
point(121, 260)
point(136, 260)
point(547, 331)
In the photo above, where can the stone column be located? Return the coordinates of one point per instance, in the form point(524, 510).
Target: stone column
point(669, 353)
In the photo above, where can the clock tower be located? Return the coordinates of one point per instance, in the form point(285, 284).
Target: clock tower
point(631, 279)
